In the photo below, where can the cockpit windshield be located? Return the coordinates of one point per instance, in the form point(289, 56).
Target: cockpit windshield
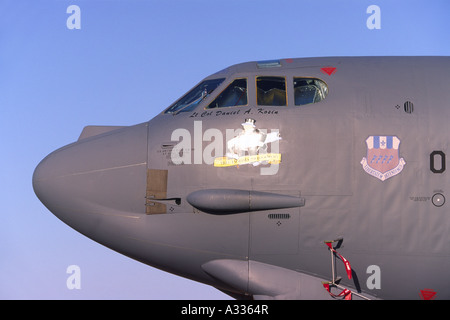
point(191, 99)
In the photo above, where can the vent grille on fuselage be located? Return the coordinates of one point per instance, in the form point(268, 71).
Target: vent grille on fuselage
point(408, 106)
point(279, 216)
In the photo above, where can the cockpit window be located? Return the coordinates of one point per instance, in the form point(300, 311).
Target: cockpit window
point(271, 91)
point(191, 99)
point(309, 90)
point(234, 95)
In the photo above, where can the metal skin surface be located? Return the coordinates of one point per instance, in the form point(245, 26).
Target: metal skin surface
point(365, 166)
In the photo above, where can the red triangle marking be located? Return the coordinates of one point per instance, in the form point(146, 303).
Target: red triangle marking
point(427, 294)
point(328, 70)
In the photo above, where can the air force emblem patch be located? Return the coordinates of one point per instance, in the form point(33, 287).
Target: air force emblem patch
point(383, 160)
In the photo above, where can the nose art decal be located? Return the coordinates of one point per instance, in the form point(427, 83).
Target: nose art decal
point(250, 147)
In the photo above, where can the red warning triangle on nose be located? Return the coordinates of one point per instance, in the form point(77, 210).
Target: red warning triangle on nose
point(427, 294)
point(328, 70)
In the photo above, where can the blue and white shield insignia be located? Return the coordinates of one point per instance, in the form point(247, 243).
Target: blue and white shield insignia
point(383, 160)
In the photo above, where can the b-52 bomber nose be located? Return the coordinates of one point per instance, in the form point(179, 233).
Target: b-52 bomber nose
point(243, 181)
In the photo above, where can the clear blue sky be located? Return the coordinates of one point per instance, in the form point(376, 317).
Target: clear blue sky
point(130, 60)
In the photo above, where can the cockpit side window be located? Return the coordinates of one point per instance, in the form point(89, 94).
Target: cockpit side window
point(309, 90)
point(193, 98)
point(234, 95)
point(271, 91)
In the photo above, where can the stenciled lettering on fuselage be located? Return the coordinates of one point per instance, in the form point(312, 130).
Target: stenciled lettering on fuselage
point(383, 160)
point(250, 147)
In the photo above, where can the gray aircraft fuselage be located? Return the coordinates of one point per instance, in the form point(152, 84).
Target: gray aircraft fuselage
point(241, 183)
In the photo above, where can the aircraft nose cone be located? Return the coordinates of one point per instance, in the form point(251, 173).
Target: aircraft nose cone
point(97, 176)
point(43, 179)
